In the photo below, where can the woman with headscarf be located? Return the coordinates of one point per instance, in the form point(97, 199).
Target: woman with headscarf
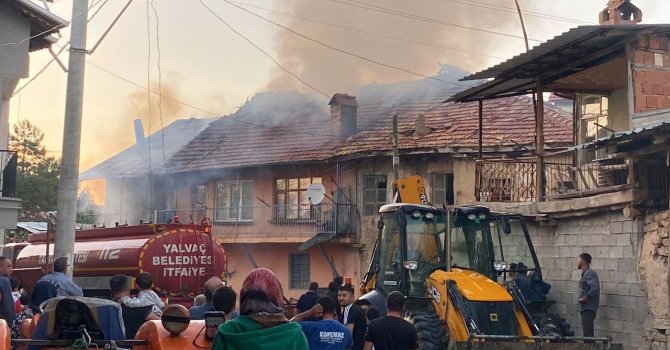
point(262, 323)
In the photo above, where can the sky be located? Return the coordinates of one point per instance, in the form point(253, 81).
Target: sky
point(189, 54)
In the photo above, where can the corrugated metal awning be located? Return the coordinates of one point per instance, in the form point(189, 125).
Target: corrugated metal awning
point(569, 53)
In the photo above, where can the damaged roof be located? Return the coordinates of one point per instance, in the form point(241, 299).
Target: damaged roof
point(289, 127)
point(134, 160)
point(273, 127)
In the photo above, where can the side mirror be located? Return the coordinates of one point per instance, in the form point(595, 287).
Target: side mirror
point(500, 266)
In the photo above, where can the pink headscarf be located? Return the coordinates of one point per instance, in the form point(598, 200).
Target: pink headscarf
point(262, 297)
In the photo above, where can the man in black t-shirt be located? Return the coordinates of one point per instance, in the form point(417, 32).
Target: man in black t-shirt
point(352, 315)
point(133, 318)
point(392, 332)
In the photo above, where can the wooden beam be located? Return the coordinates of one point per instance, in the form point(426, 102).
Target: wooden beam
point(481, 127)
point(539, 143)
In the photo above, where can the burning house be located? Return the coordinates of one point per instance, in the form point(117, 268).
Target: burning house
point(250, 172)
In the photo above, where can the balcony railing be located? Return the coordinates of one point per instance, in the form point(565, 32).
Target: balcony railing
point(271, 221)
point(515, 181)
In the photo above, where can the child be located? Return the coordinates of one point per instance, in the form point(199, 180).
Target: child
point(16, 294)
point(146, 296)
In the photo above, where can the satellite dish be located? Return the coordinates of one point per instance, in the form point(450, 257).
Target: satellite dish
point(316, 193)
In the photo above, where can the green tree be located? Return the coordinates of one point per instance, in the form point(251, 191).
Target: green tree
point(37, 173)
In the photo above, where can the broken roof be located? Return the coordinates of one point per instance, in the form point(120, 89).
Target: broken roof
point(569, 53)
point(134, 160)
point(43, 22)
point(289, 127)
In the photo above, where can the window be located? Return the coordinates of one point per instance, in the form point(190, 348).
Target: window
point(299, 271)
point(292, 202)
point(199, 201)
point(443, 189)
point(593, 110)
point(374, 193)
point(234, 201)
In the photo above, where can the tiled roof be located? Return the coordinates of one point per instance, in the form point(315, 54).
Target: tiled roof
point(273, 127)
point(288, 127)
point(134, 160)
point(506, 122)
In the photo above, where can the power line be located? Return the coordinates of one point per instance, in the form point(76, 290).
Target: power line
point(62, 48)
point(502, 8)
point(371, 7)
point(195, 107)
point(369, 33)
point(160, 81)
point(341, 50)
point(148, 88)
point(58, 27)
point(264, 52)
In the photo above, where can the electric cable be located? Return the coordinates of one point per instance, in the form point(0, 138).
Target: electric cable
point(370, 33)
point(265, 52)
point(341, 50)
point(160, 81)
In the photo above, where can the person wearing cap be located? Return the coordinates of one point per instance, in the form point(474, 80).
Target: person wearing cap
point(262, 324)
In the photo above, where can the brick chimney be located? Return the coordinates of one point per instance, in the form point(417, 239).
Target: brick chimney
point(620, 12)
point(343, 115)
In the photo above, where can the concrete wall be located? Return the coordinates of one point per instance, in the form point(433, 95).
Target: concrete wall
point(13, 29)
point(614, 242)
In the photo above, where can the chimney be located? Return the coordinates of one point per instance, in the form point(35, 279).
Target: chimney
point(140, 140)
point(620, 12)
point(343, 115)
point(420, 126)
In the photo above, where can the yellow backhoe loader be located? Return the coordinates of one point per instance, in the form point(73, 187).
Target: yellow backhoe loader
point(471, 277)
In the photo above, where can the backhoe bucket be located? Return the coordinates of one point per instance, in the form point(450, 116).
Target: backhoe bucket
point(534, 343)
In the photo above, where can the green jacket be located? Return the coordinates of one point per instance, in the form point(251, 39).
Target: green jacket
point(244, 333)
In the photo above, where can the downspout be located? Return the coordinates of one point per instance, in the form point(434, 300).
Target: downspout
point(330, 262)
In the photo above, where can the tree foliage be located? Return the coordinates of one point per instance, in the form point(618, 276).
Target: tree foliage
point(37, 173)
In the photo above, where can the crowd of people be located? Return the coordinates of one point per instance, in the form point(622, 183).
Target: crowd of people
point(328, 321)
point(331, 321)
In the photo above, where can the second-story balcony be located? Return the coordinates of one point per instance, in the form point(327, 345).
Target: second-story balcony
point(276, 223)
point(515, 180)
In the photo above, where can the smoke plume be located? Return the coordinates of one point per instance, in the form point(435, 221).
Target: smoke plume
point(335, 72)
point(118, 132)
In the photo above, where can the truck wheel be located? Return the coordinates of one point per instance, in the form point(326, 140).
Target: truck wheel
point(554, 325)
point(431, 331)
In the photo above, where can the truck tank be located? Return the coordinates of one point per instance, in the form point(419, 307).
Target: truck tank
point(179, 257)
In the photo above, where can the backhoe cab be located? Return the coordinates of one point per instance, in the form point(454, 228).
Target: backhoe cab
point(488, 287)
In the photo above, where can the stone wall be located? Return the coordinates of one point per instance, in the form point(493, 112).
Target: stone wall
point(614, 242)
point(654, 268)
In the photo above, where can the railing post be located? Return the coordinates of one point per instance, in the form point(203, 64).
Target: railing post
point(539, 143)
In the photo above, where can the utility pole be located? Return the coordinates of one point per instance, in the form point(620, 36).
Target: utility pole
point(69, 173)
point(396, 155)
point(396, 160)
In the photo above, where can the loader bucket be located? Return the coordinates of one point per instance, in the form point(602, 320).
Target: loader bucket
point(526, 344)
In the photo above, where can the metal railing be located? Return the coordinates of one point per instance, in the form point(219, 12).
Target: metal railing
point(596, 177)
point(87, 221)
point(505, 181)
point(338, 219)
point(515, 180)
point(8, 162)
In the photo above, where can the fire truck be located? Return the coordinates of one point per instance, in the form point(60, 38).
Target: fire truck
point(180, 257)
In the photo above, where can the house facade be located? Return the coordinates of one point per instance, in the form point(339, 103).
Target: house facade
point(24, 27)
point(250, 173)
point(607, 194)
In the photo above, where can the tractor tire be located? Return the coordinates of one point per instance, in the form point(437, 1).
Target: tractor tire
point(431, 331)
point(553, 325)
